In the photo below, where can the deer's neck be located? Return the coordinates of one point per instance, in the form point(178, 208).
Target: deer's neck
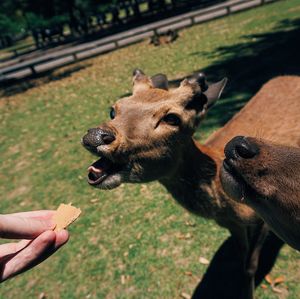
point(195, 184)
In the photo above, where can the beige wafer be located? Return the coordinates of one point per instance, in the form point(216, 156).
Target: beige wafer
point(65, 215)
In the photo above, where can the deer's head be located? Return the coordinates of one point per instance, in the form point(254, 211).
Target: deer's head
point(256, 168)
point(266, 177)
point(144, 139)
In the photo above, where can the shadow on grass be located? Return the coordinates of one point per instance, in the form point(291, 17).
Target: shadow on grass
point(18, 86)
point(249, 65)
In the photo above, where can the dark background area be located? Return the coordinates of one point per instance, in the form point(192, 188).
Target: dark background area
point(56, 22)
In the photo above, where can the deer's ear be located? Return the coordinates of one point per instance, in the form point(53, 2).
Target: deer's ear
point(160, 81)
point(214, 91)
point(203, 95)
point(209, 95)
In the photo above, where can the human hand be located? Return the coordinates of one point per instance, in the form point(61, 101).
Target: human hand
point(39, 241)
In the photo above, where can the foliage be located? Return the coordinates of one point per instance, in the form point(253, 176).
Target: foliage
point(8, 26)
point(35, 21)
point(33, 14)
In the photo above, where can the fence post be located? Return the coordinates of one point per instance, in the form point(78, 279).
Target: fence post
point(32, 69)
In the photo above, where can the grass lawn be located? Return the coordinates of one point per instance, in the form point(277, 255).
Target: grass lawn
point(134, 241)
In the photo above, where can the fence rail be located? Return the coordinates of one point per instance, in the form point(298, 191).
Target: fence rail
point(77, 53)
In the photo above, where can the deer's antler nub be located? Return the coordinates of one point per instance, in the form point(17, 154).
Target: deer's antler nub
point(140, 81)
point(202, 82)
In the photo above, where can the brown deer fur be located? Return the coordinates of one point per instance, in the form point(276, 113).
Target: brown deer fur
point(273, 114)
point(150, 138)
point(268, 181)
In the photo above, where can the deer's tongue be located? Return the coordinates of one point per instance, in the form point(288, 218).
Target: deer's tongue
point(98, 171)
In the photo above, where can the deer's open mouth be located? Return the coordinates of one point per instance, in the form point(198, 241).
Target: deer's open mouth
point(100, 170)
point(232, 182)
point(229, 167)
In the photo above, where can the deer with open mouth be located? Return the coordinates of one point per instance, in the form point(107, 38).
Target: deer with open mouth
point(149, 137)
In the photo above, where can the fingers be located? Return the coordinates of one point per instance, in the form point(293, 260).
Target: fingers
point(25, 259)
point(34, 253)
point(12, 248)
point(62, 238)
point(41, 214)
point(37, 225)
point(13, 227)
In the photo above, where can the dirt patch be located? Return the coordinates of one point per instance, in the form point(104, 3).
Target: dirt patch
point(21, 190)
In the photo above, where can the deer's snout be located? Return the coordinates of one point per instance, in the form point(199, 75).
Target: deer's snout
point(96, 137)
point(241, 147)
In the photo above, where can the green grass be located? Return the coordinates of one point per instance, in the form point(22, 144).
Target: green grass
point(128, 242)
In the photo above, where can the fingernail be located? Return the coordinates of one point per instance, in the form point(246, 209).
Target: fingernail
point(63, 235)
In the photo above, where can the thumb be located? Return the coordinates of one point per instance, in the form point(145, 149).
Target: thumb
point(13, 227)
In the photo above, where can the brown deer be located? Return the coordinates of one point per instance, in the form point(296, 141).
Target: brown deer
point(164, 38)
point(149, 137)
point(266, 176)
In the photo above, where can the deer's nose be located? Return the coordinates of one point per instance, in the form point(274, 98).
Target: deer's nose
point(96, 137)
point(241, 147)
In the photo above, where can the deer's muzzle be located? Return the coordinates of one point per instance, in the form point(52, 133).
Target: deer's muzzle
point(240, 147)
point(107, 171)
point(97, 137)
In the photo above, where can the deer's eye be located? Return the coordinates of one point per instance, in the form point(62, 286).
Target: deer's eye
point(172, 119)
point(112, 113)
